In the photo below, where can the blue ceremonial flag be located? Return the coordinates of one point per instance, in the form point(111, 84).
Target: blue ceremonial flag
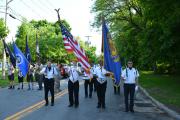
point(21, 60)
point(27, 53)
point(111, 58)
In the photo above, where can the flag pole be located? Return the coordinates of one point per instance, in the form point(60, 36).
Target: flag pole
point(102, 44)
point(57, 10)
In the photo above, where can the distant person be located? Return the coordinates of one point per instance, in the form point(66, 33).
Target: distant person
point(38, 77)
point(49, 72)
point(29, 77)
point(73, 86)
point(57, 79)
point(11, 76)
point(101, 86)
point(20, 80)
point(62, 70)
point(94, 79)
point(129, 75)
point(88, 83)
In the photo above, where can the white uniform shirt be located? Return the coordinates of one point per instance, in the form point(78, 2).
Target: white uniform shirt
point(100, 72)
point(10, 70)
point(130, 75)
point(49, 74)
point(20, 74)
point(86, 77)
point(93, 70)
point(74, 75)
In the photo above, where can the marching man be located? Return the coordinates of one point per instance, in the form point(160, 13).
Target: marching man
point(129, 75)
point(101, 85)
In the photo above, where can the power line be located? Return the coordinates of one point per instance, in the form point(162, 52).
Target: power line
point(32, 10)
point(45, 5)
point(14, 12)
point(40, 7)
point(51, 4)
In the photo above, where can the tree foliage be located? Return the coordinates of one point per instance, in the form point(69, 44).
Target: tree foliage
point(3, 33)
point(145, 31)
point(50, 41)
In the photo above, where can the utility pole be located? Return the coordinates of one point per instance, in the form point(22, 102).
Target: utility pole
point(4, 54)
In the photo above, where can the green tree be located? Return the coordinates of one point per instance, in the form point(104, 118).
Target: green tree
point(145, 31)
point(3, 33)
point(50, 41)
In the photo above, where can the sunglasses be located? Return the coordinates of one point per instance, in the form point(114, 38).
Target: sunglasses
point(129, 63)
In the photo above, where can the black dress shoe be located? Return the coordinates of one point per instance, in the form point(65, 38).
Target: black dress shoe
point(98, 106)
point(46, 104)
point(70, 105)
point(90, 96)
point(103, 107)
point(52, 104)
point(132, 111)
point(10, 87)
point(76, 106)
point(126, 110)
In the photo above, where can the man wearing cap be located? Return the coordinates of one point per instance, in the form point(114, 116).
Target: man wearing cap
point(129, 75)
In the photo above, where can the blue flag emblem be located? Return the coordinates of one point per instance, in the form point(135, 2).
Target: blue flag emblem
point(111, 58)
point(21, 60)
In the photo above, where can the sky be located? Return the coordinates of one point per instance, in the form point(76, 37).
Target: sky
point(75, 12)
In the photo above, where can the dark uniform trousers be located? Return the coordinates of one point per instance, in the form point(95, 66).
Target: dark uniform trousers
point(90, 84)
point(117, 90)
point(129, 89)
point(49, 86)
point(73, 89)
point(94, 80)
point(101, 91)
point(38, 79)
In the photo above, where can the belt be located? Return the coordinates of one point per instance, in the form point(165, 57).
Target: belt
point(49, 78)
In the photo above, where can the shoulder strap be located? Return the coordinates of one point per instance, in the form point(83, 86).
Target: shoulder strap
point(46, 70)
point(126, 73)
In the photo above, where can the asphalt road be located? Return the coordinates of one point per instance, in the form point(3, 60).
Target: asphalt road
point(13, 101)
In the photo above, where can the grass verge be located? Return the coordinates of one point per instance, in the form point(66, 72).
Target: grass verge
point(164, 88)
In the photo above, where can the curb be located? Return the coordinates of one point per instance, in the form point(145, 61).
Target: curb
point(170, 112)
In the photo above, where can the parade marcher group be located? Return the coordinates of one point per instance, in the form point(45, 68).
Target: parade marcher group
point(97, 81)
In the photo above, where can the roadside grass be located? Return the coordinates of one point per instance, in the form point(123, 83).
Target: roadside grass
point(164, 88)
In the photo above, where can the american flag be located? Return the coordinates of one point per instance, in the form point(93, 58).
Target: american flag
point(72, 45)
